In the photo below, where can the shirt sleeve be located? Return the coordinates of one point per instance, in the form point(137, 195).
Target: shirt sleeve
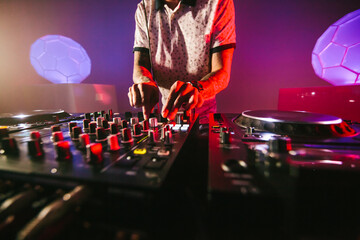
point(223, 33)
point(141, 42)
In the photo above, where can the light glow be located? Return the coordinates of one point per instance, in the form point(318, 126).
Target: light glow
point(336, 55)
point(60, 59)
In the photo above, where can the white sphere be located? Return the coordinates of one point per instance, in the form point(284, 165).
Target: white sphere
point(60, 59)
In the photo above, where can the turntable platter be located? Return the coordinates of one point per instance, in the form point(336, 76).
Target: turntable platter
point(294, 123)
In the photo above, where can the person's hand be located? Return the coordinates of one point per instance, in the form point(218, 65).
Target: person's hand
point(144, 95)
point(184, 95)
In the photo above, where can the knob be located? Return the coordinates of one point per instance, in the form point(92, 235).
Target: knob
point(153, 122)
point(105, 124)
point(57, 136)
point(71, 125)
point(99, 121)
point(140, 116)
point(168, 137)
point(163, 130)
point(117, 120)
point(35, 135)
point(92, 128)
point(152, 136)
point(134, 120)
point(279, 145)
point(94, 153)
point(100, 134)
point(76, 131)
point(87, 116)
point(137, 130)
point(84, 140)
point(95, 115)
point(86, 123)
point(124, 124)
point(107, 117)
point(9, 146)
point(35, 148)
point(225, 136)
point(126, 135)
point(55, 128)
point(114, 129)
point(145, 125)
point(63, 152)
point(111, 114)
point(128, 115)
point(113, 143)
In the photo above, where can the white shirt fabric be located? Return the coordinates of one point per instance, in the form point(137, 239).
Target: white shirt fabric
point(182, 40)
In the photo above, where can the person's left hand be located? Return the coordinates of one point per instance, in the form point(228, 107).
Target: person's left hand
point(184, 95)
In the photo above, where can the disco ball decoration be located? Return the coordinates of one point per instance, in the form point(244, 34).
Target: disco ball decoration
point(336, 55)
point(60, 59)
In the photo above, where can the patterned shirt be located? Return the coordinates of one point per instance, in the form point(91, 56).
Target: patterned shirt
point(182, 40)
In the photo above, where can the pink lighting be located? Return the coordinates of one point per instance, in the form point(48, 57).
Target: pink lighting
point(336, 55)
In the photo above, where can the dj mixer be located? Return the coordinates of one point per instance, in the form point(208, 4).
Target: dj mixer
point(68, 160)
point(255, 175)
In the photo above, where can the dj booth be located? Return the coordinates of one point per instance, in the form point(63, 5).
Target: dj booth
point(261, 174)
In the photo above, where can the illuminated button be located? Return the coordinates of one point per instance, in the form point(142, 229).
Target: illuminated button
point(215, 127)
point(94, 153)
point(176, 128)
point(155, 163)
point(140, 151)
point(4, 132)
point(127, 162)
point(184, 128)
point(163, 152)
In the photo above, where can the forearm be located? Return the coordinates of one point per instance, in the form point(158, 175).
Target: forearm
point(214, 82)
point(142, 66)
point(218, 79)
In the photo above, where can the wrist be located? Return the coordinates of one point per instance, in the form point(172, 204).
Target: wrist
point(197, 84)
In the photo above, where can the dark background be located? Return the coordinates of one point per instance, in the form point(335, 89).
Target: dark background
point(274, 44)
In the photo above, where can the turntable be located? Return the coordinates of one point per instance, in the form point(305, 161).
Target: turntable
point(296, 172)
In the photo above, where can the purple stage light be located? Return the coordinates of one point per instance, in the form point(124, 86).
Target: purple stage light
point(60, 59)
point(336, 55)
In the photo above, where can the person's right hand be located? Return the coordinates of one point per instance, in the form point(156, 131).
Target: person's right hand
point(144, 95)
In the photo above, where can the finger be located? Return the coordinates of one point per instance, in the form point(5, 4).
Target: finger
point(174, 92)
point(136, 96)
point(200, 101)
point(130, 97)
point(146, 103)
point(193, 101)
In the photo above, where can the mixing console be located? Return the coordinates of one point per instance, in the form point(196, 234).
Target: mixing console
point(92, 159)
